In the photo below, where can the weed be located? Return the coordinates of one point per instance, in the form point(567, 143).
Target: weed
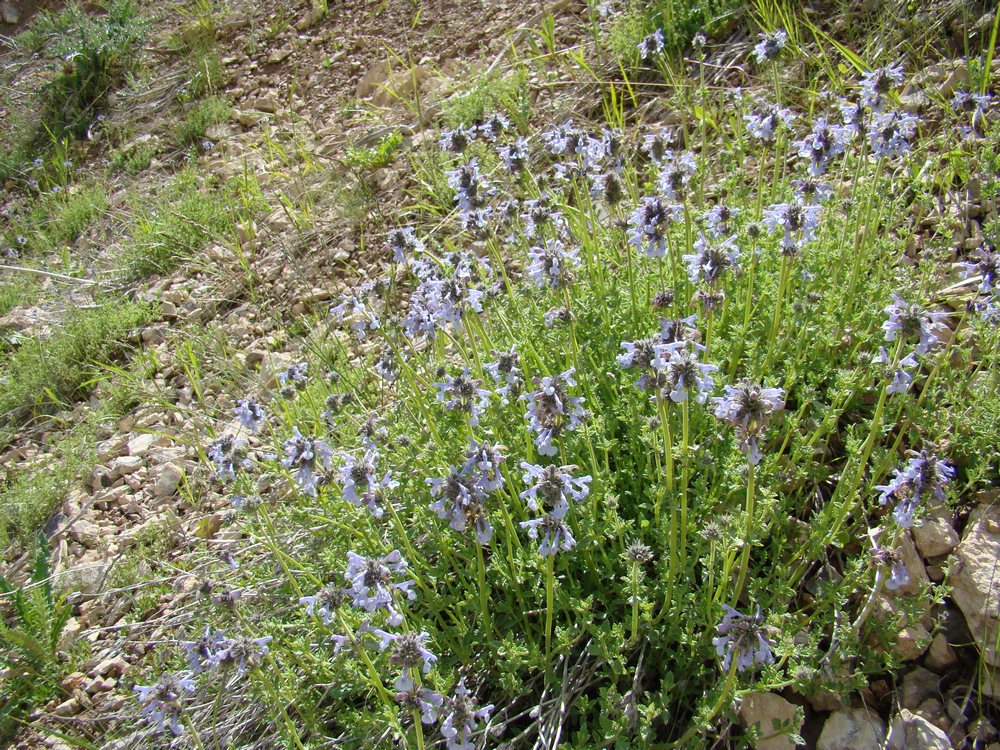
point(369, 159)
point(508, 94)
point(193, 129)
point(99, 53)
point(186, 217)
point(42, 373)
point(29, 644)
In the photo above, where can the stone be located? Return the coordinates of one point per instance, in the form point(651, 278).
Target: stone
point(940, 656)
point(914, 566)
point(167, 480)
point(401, 85)
point(124, 465)
point(934, 536)
point(975, 581)
point(313, 16)
point(911, 642)
point(86, 532)
point(112, 666)
point(933, 710)
point(774, 717)
point(71, 630)
point(912, 732)
point(919, 684)
point(266, 104)
point(852, 729)
point(11, 13)
point(86, 577)
point(370, 81)
point(140, 444)
point(68, 708)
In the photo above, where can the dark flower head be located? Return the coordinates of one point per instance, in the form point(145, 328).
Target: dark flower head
point(461, 718)
point(662, 300)
point(163, 701)
point(307, 455)
point(251, 414)
point(372, 586)
point(551, 488)
point(908, 320)
point(638, 553)
point(924, 475)
point(651, 45)
point(742, 637)
point(325, 602)
point(770, 46)
point(712, 259)
point(748, 407)
point(553, 533)
point(462, 393)
point(649, 223)
point(552, 411)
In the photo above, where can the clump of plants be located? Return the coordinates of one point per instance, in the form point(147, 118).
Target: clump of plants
point(634, 422)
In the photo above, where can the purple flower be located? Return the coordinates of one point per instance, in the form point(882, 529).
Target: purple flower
point(712, 259)
point(891, 133)
point(515, 155)
point(553, 532)
point(353, 310)
point(908, 320)
point(676, 173)
point(883, 557)
point(461, 718)
point(483, 461)
point(421, 699)
point(163, 701)
point(797, 221)
point(987, 268)
point(764, 124)
point(925, 474)
point(228, 453)
point(564, 139)
point(306, 454)
point(657, 145)
point(719, 220)
point(493, 126)
point(823, 145)
point(295, 377)
point(372, 586)
point(541, 213)
point(404, 243)
point(506, 369)
point(553, 264)
point(770, 46)
point(407, 651)
point(461, 497)
point(251, 414)
point(877, 83)
point(361, 485)
point(470, 187)
point(748, 407)
point(324, 602)
point(457, 140)
point(199, 653)
point(742, 637)
point(462, 393)
point(651, 45)
point(239, 652)
point(683, 372)
point(550, 488)
point(552, 411)
point(649, 223)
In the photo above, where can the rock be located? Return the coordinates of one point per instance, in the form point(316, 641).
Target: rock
point(69, 633)
point(68, 708)
point(170, 476)
point(401, 85)
point(246, 119)
point(912, 732)
point(852, 729)
point(266, 104)
point(940, 656)
point(911, 642)
point(934, 536)
point(933, 710)
point(919, 684)
point(86, 532)
point(279, 55)
point(112, 666)
point(370, 81)
point(914, 566)
point(975, 581)
point(313, 16)
point(140, 444)
point(124, 465)
point(86, 578)
point(774, 717)
point(10, 12)
point(21, 318)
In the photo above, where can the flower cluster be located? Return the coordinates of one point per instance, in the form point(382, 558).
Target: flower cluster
point(742, 637)
point(306, 455)
point(552, 411)
point(250, 414)
point(361, 485)
point(371, 583)
point(649, 223)
point(214, 650)
point(748, 407)
point(163, 701)
point(228, 453)
point(924, 475)
point(462, 393)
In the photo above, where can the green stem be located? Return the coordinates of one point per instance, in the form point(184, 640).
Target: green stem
point(484, 592)
point(550, 562)
point(748, 542)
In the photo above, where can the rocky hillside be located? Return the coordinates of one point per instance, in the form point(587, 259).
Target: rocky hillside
point(300, 295)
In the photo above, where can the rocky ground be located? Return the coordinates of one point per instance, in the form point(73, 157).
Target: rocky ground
point(319, 84)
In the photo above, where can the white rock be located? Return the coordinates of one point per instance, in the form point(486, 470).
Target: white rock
point(934, 536)
point(170, 476)
point(975, 579)
point(914, 566)
point(911, 642)
point(139, 445)
point(126, 465)
point(940, 655)
point(852, 729)
point(775, 719)
point(912, 732)
point(919, 684)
